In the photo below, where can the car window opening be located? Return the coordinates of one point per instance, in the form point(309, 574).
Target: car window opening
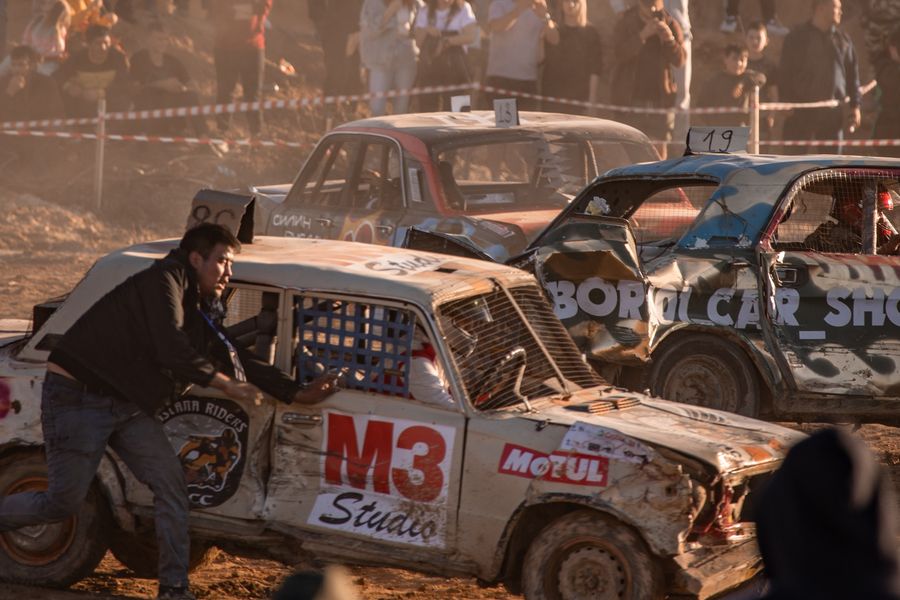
point(483, 176)
point(499, 359)
point(841, 212)
point(252, 320)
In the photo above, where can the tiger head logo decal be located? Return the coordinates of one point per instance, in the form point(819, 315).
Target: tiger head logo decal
point(207, 460)
point(210, 436)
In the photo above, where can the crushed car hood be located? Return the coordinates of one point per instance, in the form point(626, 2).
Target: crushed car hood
point(530, 222)
point(726, 441)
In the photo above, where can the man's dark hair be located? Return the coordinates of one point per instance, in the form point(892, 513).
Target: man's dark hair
point(96, 31)
point(735, 50)
point(757, 26)
point(24, 51)
point(204, 237)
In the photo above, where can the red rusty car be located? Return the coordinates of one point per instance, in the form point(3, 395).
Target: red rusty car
point(454, 173)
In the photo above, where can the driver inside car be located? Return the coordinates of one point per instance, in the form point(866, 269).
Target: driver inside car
point(427, 382)
point(843, 233)
point(478, 344)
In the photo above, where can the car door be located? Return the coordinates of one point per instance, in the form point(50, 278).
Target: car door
point(376, 189)
point(221, 442)
point(370, 468)
point(831, 309)
point(320, 199)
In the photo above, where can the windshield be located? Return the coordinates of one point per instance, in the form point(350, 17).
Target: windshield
point(501, 361)
point(505, 173)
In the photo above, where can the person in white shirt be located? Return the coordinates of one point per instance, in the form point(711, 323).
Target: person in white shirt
point(426, 376)
point(388, 51)
point(443, 32)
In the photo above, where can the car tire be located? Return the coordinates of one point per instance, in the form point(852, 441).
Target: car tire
point(54, 554)
point(140, 553)
point(586, 555)
point(706, 370)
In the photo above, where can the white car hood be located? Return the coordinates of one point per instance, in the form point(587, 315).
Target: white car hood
point(724, 440)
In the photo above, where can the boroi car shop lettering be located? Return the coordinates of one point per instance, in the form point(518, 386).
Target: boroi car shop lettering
point(858, 307)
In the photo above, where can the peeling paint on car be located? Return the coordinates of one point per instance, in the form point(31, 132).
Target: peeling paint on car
point(390, 479)
point(814, 326)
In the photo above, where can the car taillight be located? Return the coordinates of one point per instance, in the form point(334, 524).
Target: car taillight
point(885, 201)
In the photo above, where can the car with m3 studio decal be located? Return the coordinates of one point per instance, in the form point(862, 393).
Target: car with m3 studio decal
point(759, 284)
point(471, 438)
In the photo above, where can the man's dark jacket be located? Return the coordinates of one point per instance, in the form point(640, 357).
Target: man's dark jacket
point(146, 337)
point(643, 71)
point(818, 65)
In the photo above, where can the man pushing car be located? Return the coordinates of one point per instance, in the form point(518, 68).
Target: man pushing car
point(131, 353)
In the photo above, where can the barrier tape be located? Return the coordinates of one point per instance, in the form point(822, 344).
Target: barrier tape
point(234, 107)
point(295, 103)
point(153, 138)
point(881, 143)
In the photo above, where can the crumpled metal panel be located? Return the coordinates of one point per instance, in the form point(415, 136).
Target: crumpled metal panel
point(591, 272)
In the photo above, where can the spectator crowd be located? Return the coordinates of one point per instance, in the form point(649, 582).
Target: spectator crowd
point(67, 58)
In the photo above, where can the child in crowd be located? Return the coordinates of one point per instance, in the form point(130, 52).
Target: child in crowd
point(757, 38)
point(731, 87)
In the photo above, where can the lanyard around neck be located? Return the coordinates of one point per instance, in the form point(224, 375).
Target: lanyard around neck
point(239, 372)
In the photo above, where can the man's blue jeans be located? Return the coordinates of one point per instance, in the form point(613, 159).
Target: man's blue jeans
point(78, 425)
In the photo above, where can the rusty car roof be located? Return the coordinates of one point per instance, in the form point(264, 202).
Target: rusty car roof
point(783, 168)
point(423, 278)
point(445, 126)
point(748, 186)
point(331, 265)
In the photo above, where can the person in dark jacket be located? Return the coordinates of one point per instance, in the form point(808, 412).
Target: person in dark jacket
point(827, 523)
point(572, 67)
point(25, 94)
point(819, 62)
point(239, 51)
point(730, 87)
point(887, 68)
point(649, 43)
point(123, 360)
point(98, 71)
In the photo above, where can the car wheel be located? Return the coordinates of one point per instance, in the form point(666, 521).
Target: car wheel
point(584, 555)
point(53, 554)
point(707, 371)
point(140, 553)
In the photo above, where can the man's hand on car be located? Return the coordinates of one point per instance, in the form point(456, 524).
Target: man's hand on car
point(319, 389)
point(247, 392)
point(237, 390)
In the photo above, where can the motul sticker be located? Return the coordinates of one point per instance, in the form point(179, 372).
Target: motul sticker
point(210, 437)
point(385, 478)
point(559, 467)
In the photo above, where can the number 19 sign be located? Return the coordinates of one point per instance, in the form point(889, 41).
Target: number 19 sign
point(718, 140)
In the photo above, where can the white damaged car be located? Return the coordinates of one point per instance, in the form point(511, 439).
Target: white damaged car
point(513, 463)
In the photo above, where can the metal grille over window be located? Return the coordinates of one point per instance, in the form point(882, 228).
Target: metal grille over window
point(501, 361)
point(372, 341)
point(843, 211)
point(252, 320)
